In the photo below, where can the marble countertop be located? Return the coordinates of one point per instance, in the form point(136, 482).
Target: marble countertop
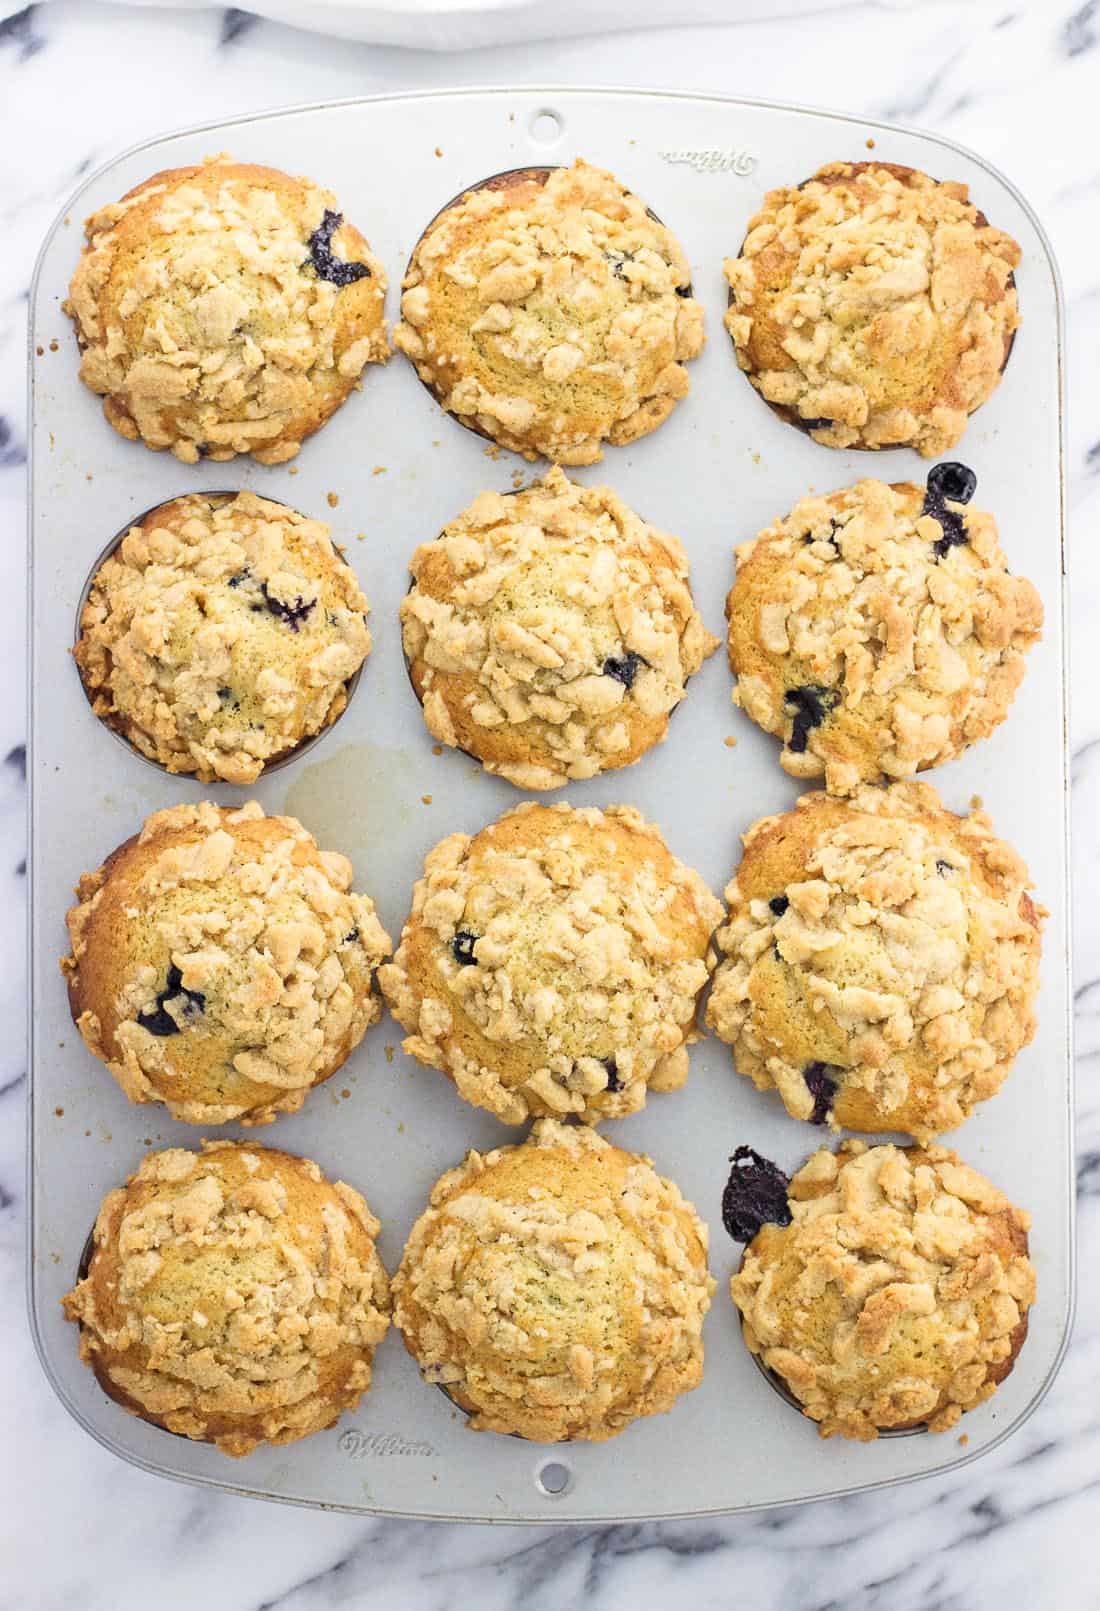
point(1020, 84)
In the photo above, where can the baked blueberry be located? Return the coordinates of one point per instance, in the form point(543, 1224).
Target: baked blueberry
point(462, 947)
point(779, 904)
point(624, 667)
point(809, 705)
point(324, 261)
point(755, 1195)
point(822, 1087)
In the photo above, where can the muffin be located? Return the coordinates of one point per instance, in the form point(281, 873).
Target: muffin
point(877, 631)
point(548, 310)
point(892, 1293)
point(880, 962)
point(220, 964)
point(220, 634)
point(233, 1296)
point(873, 306)
point(225, 308)
point(552, 963)
point(556, 1290)
point(550, 633)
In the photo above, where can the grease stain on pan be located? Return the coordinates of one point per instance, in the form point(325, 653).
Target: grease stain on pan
point(355, 799)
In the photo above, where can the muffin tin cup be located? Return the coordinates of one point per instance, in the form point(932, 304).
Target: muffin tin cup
point(285, 757)
point(716, 472)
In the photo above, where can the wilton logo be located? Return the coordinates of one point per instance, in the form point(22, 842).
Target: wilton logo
point(714, 160)
point(358, 1445)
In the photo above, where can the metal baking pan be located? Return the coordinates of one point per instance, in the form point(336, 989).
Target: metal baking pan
point(717, 471)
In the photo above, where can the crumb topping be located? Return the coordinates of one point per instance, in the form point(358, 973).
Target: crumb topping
point(234, 1296)
point(886, 945)
point(221, 964)
point(898, 1295)
point(550, 633)
point(210, 321)
point(874, 305)
point(549, 310)
point(921, 652)
point(552, 963)
point(221, 633)
point(556, 1289)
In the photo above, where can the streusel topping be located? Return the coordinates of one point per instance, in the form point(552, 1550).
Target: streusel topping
point(550, 633)
point(225, 308)
point(551, 964)
point(898, 1295)
point(221, 963)
point(550, 310)
point(874, 305)
point(556, 1289)
point(875, 635)
point(234, 1295)
point(880, 960)
point(221, 633)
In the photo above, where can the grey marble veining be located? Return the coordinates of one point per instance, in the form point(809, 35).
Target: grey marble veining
point(1021, 84)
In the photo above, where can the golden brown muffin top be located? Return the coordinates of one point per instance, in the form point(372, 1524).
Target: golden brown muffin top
point(556, 1289)
point(225, 308)
point(880, 962)
point(551, 964)
point(220, 633)
point(549, 310)
point(233, 1296)
point(221, 964)
point(550, 633)
point(878, 632)
point(874, 306)
point(898, 1294)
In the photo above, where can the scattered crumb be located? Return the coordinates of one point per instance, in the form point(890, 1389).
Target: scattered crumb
point(55, 1258)
point(53, 345)
point(360, 536)
point(435, 441)
point(401, 1128)
point(389, 1050)
point(492, 451)
point(517, 479)
point(754, 456)
point(511, 117)
point(437, 749)
point(68, 219)
point(332, 499)
point(87, 1132)
point(965, 1439)
point(293, 470)
point(40, 351)
point(427, 799)
point(60, 1112)
point(871, 147)
point(975, 802)
point(345, 1093)
point(87, 475)
point(729, 742)
point(379, 469)
point(438, 151)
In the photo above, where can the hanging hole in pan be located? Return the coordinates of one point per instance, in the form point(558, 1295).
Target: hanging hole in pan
point(554, 1479)
point(216, 497)
point(547, 126)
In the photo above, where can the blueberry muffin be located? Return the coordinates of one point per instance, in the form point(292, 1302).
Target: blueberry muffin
point(556, 1290)
point(221, 633)
point(221, 965)
point(550, 633)
point(873, 306)
point(225, 308)
point(877, 631)
point(551, 964)
point(550, 311)
point(880, 961)
point(233, 1296)
point(890, 1290)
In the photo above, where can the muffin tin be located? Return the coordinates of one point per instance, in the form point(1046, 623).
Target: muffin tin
point(714, 474)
